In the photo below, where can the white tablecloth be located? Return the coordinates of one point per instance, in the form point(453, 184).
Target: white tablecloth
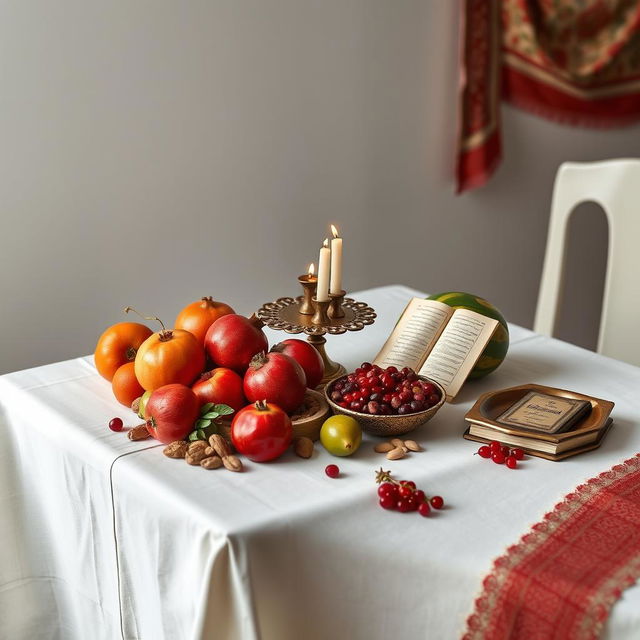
point(101, 537)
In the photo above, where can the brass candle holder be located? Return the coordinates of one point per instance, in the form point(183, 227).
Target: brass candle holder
point(292, 316)
point(309, 284)
point(335, 308)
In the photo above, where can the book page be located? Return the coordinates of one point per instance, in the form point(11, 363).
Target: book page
point(458, 349)
point(415, 334)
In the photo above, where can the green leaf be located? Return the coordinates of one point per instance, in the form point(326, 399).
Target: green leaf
point(223, 409)
point(212, 415)
point(206, 408)
point(193, 436)
point(201, 435)
point(201, 423)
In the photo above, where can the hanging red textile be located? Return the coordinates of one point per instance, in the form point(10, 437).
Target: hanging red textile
point(569, 61)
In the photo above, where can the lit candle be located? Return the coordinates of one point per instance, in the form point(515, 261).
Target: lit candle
point(312, 270)
point(336, 262)
point(324, 265)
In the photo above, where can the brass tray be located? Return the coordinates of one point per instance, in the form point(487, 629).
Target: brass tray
point(494, 403)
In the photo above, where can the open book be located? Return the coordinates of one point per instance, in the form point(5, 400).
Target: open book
point(438, 342)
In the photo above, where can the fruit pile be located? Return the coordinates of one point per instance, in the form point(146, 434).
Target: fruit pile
point(376, 391)
point(213, 363)
point(404, 496)
point(501, 454)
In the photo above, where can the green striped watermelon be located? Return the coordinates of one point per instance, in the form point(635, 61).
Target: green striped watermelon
point(496, 350)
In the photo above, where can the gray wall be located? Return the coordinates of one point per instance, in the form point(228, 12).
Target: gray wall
point(156, 151)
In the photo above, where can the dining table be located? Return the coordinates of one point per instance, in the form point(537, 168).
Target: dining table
point(104, 537)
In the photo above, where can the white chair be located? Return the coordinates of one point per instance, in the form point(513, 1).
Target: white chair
point(615, 186)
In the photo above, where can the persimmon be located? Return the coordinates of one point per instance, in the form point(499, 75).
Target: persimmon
point(125, 385)
point(198, 316)
point(170, 356)
point(119, 345)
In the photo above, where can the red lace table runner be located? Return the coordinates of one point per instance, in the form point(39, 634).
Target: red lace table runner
point(563, 577)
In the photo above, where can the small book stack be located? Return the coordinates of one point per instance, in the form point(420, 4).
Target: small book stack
point(546, 422)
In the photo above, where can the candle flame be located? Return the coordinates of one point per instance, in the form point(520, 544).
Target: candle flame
point(334, 231)
point(312, 269)
point(325, 244)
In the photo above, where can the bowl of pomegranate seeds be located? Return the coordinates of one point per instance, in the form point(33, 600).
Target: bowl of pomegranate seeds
point(386, 402)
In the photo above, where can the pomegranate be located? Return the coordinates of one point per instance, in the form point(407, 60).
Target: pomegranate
point(171, 412)
point(220, 386)
point(262, 432)
point(277, 378)
point(232, 341)
point(306, 355)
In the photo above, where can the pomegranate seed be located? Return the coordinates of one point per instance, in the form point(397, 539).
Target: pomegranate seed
point(518, 454)
point(511, 462)
point(115, 424)
point(484, 452)
point(437, 502)
point(497, 457)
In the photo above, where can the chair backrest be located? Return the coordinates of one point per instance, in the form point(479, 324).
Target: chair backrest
point(615, 186)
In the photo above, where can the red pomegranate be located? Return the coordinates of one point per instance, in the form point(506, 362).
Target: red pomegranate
point(277, 378)
point(232, 341)
point(306, 355)
point(262, 432)
point(220, 386)
point(171, 412)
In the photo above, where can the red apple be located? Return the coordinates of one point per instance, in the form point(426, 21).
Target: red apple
point(306, 355)
point(262, 432)
point(171, 412)
point(275, 378)
point(220, 386)
point(232, 341)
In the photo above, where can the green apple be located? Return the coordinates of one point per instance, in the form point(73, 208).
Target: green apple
point(143, 404)
point(341, 435)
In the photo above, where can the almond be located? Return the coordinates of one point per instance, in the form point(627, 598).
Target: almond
point(395, 454)
point(196, 446)
point(212, 462)
point(384, 447)
point(177, 449)
point(220, 445)
point(303, 447)
point(396, 442)
point(232, 463)
point(412, 445)
point(138, 433)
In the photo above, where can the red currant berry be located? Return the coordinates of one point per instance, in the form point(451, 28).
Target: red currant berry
point(494, 445)
point(332, 470)
point(403, 505)
point(404, 491)
point(497, 457)
point(424, 509)
point(505, 451)
point(388, 502)
point(511, 462)
point(418, 494)
point(408, 483)
point(437, 502)
point(484, 452)
point(115, 424)
point(388, 489)
point(518, 454)
point(413, 503)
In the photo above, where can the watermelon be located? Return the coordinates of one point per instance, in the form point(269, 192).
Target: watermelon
point(496, 350)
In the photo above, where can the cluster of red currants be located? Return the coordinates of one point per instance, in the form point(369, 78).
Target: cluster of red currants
point(501, 454)
point(371, 389)
point(404, 497)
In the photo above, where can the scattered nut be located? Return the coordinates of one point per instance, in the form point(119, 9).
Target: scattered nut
point(232, 463)
point(395, 454)
point(135, 405)
point(177, 449)
point(212, 462)
point(384, 447)
point(196, 457)
point(220, 445)
point(196, 446)
point(138, 433)
point(209, 452)
point(412, 445)
point(303, 447)
point(396, 442)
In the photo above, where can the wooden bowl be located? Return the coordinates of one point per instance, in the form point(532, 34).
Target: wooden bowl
point(392, 425)
point(306, 421)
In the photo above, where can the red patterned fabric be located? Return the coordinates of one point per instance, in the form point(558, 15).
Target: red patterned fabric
point(563, 577)
point(573, 62)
